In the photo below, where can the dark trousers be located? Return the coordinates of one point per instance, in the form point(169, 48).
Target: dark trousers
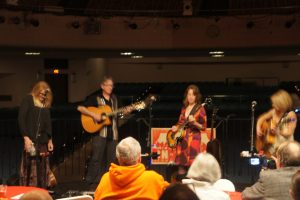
point(103, 153)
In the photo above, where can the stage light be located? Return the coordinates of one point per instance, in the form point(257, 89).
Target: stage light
point(187, 8)
point(137, 57)
point(216, 52)
point(75, 24)
point(34, 22)
point(175, 25)
point(250, 25)
point(29, 53)
point(15, 20)
point(126, 53)
point(133, 26)
point(290, 23)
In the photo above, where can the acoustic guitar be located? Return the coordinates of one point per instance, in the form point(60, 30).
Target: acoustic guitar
point(174, 138)
point(268, 137)
point(105, 111)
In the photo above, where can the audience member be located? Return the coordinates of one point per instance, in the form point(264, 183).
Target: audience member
point(178, 191)
point(36, 195)
point(224, 185)
point(130, 179)
point(274, 184)
point(295, 187)
point(203, 173)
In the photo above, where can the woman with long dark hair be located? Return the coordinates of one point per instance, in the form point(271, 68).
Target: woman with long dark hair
point(194, 115)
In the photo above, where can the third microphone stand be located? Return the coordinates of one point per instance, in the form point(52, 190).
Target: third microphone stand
point(253, 104)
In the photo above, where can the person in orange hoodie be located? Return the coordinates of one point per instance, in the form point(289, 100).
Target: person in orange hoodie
point(130, 179)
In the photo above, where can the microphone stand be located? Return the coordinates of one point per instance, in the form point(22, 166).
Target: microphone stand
point(149, 126)
point(252, 130)
point(37, 145)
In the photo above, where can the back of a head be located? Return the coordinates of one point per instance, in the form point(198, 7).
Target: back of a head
point(205, 168)
point(295, 186)
point(224, 185)
point(289, 154)
point(36, 195)
point(178, 191)
point(128, 151)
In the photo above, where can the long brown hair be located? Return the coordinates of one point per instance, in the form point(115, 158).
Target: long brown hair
point(39, 87)
point(196, 92)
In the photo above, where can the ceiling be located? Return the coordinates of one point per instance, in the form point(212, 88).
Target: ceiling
point(161, 8)
point(172, 56)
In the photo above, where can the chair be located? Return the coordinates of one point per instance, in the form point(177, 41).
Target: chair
point(82, 197)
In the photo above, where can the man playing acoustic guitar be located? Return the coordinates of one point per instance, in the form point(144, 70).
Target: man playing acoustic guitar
point(105, 140)
point(277, 125)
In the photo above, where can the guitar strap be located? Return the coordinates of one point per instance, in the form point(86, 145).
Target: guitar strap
point(195, 109)
point(282, 117)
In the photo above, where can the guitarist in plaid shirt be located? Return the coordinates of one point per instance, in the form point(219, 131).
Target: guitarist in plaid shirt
point(106, 139)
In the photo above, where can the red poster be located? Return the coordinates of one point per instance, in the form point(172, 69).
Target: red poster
point(166, 154)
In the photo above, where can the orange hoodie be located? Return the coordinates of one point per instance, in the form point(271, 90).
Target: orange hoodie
point(130, 182)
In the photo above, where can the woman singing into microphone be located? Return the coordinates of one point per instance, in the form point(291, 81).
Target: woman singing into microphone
point(35, 126)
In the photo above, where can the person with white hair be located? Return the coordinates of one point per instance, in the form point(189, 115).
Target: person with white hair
point(130, 179)
point(275, 184)
point(36, 195)
point(203, 173)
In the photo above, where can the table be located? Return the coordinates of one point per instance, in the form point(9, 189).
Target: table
point(13, 191)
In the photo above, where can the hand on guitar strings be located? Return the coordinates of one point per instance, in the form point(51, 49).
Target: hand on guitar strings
point(98, 118)
point(174, 129)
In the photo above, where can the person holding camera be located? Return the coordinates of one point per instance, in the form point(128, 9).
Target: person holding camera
point(275, 184)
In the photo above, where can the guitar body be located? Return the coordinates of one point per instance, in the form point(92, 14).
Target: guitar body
point(89, 125)
point(173, 138)
point(267, 139)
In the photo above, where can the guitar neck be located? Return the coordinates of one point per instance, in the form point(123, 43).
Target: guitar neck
point(119, 110)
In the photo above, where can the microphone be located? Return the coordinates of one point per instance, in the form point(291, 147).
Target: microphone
point(253, 104)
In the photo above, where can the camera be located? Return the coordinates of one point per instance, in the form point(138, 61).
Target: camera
point(254, 161)
point(265, 163)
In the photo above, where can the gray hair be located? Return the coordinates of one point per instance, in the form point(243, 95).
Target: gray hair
point(128, 151)
point(205, 168)
point(288, 154)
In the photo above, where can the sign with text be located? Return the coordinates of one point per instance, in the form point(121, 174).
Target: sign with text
point(166, 154)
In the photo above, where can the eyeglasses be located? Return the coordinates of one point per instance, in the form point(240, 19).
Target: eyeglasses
point(109, 85)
